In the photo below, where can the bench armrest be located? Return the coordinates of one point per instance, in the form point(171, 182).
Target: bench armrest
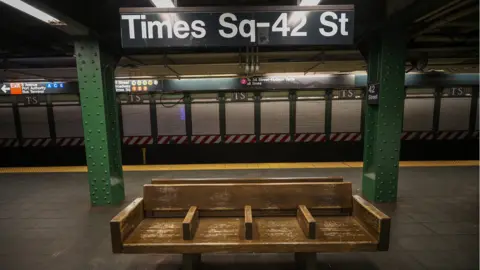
point(374, 220)
point(125, 222)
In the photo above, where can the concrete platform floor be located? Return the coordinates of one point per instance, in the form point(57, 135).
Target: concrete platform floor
point(46, 222)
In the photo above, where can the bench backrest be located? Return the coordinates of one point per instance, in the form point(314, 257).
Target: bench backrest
point(246, 180)
point(260, 196)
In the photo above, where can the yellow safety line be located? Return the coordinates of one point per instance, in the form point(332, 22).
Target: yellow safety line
point(240, 166)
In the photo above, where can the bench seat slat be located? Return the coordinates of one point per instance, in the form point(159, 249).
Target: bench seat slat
point(213, 234)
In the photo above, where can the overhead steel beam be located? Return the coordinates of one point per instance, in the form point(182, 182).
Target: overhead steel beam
point(453, 6)
point(440, 10)
point(446, 39)
point(409, 14)
point(447, 20)
point(68, 25)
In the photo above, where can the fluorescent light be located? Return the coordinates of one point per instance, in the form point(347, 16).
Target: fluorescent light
point(309, 2)
point(33, 11)
point(163, 3)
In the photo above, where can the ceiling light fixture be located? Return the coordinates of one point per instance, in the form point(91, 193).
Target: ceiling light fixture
point(164, 3)
point(33, 11)
point(309, 2)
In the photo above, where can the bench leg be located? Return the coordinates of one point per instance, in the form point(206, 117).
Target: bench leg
point(306, 261)
point(191, 261)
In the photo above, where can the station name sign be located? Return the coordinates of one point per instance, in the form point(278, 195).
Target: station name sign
point(264, 26)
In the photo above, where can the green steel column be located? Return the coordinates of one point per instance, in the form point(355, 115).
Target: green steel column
point(383, 122)
point(292, 97)
point(222, 116)
point(100, 123)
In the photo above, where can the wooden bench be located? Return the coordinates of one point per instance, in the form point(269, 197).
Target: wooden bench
point(237, 217)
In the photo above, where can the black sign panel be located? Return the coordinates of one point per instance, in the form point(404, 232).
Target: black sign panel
point(25, 88)
point(322, 25)
point(260, 83)
point(137, 86)
point(373, 93)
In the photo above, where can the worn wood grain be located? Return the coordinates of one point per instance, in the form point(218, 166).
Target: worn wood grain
point(190, 223)
point(248, 223)
point(332, 229)
point(157, 230)
point(169, 213)
point(229, 231)
point(306, 222)
point(374, 221)
point(263, 196)
point(245, 180)
point(124, 223)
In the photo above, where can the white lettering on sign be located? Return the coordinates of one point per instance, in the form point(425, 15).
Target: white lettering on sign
point(34, 88)
point(144, 27)
point(198, 28)
point(296, 31)
point(131, 24)
point(325, 22)
point(287, 25)
point(159, 26)
point(281, 25)
point(226, 24)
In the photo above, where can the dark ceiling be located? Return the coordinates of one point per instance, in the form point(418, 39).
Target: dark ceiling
point(446, 29)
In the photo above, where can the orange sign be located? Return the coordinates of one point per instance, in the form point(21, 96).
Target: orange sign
point(15, 88)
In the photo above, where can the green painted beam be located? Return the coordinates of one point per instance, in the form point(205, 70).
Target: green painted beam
point(383, 122)
point(100, 123)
